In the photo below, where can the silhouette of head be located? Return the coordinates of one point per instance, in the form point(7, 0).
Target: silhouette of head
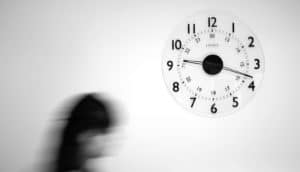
point(84, 135)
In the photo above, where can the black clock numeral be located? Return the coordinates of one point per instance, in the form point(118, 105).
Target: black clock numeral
point(170, 64)
point(193, 101)
point(189, 28)
point(257, 64)
point(175, 86)
point(213, 108)
point(235, 102)
point(212, 22)
point(233, 27)
point(176, 44)
point(251, 86)
point(251, 44)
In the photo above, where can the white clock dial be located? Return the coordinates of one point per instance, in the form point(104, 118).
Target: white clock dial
point(212, 64)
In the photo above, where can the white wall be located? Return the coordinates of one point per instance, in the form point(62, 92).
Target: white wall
point(51, 50)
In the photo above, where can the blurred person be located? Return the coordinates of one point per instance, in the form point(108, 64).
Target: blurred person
point(84, 135)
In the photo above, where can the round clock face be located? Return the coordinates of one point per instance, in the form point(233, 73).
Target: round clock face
point(212, 64)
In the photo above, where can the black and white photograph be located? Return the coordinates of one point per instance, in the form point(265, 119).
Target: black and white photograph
point(149, 86)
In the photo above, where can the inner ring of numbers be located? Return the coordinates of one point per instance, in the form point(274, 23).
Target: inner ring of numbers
point(196, 37)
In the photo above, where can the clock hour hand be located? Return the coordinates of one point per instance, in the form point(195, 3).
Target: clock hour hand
point(193, 61)
point(237, 72)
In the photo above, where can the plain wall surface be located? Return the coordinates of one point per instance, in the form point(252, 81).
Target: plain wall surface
point(52, 50)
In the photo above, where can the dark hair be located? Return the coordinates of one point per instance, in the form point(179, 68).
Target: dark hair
point(88, 113)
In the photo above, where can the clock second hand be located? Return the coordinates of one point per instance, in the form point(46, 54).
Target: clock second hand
point(224, 67)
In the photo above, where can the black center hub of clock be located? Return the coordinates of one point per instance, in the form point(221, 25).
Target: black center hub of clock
point(212, 64)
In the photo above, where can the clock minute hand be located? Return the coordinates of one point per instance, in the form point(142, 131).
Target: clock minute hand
point(236, 71)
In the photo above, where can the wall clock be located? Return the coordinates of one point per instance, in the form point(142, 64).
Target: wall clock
point(213, 64)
